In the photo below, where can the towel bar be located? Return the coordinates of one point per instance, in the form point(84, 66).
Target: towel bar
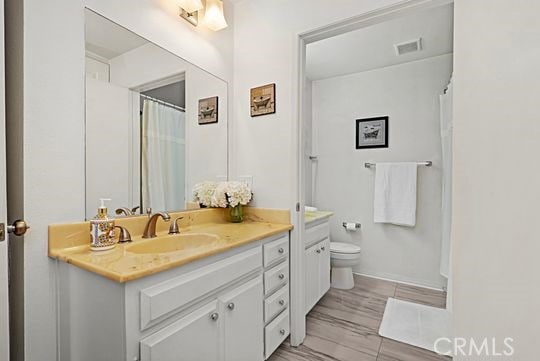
point(427, 163)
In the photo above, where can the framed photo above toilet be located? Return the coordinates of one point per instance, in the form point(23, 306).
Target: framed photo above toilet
point(372, 133)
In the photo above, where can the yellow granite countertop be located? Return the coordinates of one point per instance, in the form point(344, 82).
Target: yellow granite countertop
point(317, 215)
point(70, 242)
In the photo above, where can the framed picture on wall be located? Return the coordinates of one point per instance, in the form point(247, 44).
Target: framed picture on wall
point(208, 110)
point(263, 100)
point(372, 133)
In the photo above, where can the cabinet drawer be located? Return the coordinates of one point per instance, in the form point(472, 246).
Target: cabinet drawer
point(177, 293)
point(276, 250)
point(276, 303)
point(275, 333)
point(317, 233)
point(276, 277)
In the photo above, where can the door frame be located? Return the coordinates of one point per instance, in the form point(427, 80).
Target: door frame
point(4, 271)
point(403, 8)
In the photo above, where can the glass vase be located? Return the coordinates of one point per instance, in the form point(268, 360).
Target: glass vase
point(237, 214)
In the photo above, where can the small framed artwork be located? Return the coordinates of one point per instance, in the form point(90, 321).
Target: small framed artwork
point(208, 110)
point(263, 100)
point(372, 133)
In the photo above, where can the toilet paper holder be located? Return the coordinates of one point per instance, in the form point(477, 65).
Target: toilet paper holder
point(356, 225)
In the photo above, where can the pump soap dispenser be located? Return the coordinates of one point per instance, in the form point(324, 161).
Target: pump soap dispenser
point(102, 229)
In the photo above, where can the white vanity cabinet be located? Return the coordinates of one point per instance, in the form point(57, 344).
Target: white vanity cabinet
point(316, 262)
point(231, 306)
point(234, 321)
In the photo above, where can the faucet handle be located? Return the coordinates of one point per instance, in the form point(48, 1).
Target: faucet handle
point(124, 235)
point(134, 209)
point(173, 229)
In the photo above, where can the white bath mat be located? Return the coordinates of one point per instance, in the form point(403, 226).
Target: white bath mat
point(416, 325)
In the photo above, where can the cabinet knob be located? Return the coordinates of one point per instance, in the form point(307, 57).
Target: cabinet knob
point(282, 331)
point(281, 250)
point(214, 316)
point(281, 302)
point(318, 250)
point(230, 306)
point(281, 276)
point(323, 248)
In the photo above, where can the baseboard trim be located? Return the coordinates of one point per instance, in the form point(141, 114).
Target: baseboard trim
point(399, 281)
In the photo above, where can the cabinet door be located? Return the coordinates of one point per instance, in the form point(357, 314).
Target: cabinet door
point(311, 276)
point(243, 322)
point(324, 268)
point(192, 338)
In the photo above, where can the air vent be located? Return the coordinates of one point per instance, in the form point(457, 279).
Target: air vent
point(408, 47)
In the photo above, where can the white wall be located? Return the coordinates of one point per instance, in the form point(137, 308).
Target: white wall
point(496, 173)
point(409, 95)
point(97, 69)
point(263, 146)
point(108, 133)
point(54, 125)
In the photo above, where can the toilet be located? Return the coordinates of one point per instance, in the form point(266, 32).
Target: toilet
point(343, 257)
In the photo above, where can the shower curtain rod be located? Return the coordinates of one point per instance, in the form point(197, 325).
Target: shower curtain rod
point(427, 163)
point(164, 103)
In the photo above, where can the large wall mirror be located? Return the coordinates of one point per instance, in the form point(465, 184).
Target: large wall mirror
point(155, 124)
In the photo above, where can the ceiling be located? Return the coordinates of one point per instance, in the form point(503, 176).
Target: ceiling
point(373, 47)
point(107, 39)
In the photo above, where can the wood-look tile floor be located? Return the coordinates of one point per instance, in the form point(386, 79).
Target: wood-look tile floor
point(344, 325)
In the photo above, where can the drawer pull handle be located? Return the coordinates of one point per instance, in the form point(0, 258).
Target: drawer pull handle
point(282, 331)
point(281, 302)
point(230, 306)
point(281, 250)
point(281, 276)
point(319, 250)
point(214, 316)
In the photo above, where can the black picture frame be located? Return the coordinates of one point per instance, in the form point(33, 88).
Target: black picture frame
point(376, 121)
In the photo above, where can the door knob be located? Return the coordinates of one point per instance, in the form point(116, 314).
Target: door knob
point(18, 228)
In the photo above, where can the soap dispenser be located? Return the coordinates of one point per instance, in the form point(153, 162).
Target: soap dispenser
point(102, 229)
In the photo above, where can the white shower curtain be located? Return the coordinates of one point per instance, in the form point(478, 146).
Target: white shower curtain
point(447, 124)
point(163, 157)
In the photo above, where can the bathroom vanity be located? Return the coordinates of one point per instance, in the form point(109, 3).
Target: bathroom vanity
point(317, 257)
point(224, 297)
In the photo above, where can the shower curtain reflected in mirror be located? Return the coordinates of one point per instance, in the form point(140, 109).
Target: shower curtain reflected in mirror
point(163, 157)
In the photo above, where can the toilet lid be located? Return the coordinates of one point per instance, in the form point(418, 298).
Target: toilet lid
point(340, 247)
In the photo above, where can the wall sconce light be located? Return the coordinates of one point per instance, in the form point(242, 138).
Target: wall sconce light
point(214, 18)
point(189, 10)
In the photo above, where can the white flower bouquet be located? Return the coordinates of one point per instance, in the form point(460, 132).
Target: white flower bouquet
point(222, 194)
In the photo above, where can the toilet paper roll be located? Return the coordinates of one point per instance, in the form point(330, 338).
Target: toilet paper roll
point(350, 226)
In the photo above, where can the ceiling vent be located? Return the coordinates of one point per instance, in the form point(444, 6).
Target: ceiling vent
point(408, 47)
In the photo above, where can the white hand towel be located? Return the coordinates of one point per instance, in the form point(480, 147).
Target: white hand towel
point(395, 194)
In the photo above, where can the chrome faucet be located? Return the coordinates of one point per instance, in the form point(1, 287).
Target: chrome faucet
point(150, 229)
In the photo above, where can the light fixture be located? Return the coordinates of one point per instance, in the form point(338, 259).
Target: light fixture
point(189, 10)
point(214, 18)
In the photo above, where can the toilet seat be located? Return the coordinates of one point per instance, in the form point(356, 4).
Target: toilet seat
point(344, 248)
